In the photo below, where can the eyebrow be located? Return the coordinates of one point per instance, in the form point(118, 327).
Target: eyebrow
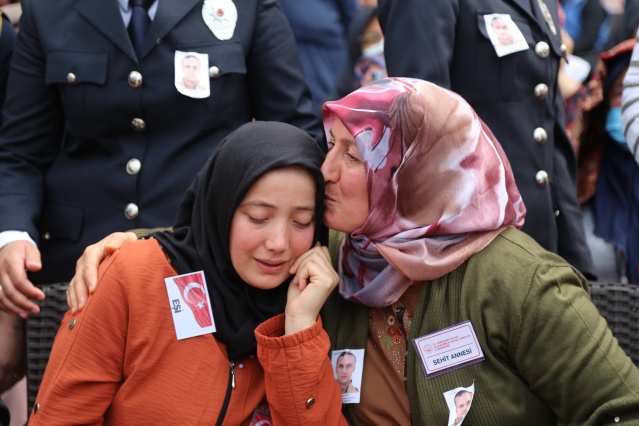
point(259, 203)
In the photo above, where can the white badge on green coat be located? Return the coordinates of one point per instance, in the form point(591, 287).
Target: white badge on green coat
point(448, 349)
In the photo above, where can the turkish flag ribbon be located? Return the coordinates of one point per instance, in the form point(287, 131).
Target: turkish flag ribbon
point(192, 289)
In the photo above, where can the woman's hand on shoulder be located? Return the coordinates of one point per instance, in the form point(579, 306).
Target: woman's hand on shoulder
point(85, 279)
point(314, 281)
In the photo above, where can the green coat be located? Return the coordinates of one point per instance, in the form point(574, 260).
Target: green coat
point(549, 356)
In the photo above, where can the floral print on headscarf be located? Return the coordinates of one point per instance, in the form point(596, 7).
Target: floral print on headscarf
point(440, 187)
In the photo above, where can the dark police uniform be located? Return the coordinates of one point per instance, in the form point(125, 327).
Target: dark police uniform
point(97, 140)
point(517, 95)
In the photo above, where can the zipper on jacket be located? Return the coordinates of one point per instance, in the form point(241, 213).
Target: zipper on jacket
point(227, 398)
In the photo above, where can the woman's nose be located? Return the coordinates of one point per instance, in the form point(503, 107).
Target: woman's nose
point(277, 239)
point(328, 167)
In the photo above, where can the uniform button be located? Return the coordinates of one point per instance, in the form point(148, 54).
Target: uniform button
point(541, 91)
point(214, 71)
point(135, 79)
point(310, 402)
point(46, 236)
point(138, 124)
point(36, 407)
point(563, 49)
point(542, 49)
point(131, 211)
point(540, 135)
point(133, 166)
point(542, 178)
point(72, 323)
point(71, 78)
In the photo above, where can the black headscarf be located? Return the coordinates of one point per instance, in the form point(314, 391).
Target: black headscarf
point(200, 237)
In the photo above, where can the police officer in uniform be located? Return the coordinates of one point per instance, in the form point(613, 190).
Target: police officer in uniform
point(448, 43)
point(96, 136)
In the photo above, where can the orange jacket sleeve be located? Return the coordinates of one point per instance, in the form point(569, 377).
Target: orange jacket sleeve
point(84, 371)
point(300, 385)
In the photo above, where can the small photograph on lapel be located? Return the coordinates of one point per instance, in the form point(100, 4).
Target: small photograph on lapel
point(348, 365)
point(191, 74)
point(459, 401)
point(504, 34)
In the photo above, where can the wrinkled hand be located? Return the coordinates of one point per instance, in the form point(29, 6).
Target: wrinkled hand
point(15, 259)
point(313, 282)
point(12, 356)
point(85, 279)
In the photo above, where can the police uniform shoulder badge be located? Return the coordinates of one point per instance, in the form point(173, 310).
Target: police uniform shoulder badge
point(221, 17)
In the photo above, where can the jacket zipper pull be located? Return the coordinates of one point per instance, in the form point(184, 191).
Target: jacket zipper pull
point(233, 374)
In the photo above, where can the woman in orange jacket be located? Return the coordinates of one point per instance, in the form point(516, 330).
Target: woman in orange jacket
point(147, 349)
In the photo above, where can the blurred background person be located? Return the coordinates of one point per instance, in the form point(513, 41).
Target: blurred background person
point(366, 61)
point(321, 33)
point(630, 100)
point(590, 23)
point(608, 184)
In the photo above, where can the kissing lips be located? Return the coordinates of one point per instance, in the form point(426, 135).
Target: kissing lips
point(328, 198)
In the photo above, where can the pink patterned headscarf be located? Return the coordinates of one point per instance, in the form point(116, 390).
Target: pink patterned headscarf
point(440, 187)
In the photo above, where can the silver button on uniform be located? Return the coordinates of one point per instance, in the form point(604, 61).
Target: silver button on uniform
point(541, 91)
point(71, 78)
point(46, 236)
point(36, 408)
point(542, 49)
point(310, 402)
point(131, 211)
point(72, 323)
point(540, 135)
point(214, 71)
point(133, 166)
point(542, 178)
point(563, 49)
point(138, 124)
point(135, 79)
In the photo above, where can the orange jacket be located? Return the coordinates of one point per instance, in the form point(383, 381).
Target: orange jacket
point(300, 384)
point(121, 363)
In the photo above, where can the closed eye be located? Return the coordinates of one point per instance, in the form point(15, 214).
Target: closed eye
point(256, 220)
point(304, 225)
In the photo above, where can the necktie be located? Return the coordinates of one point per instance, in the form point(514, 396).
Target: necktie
point(140, 23)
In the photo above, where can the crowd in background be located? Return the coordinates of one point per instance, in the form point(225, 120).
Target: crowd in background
point(555, 106)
